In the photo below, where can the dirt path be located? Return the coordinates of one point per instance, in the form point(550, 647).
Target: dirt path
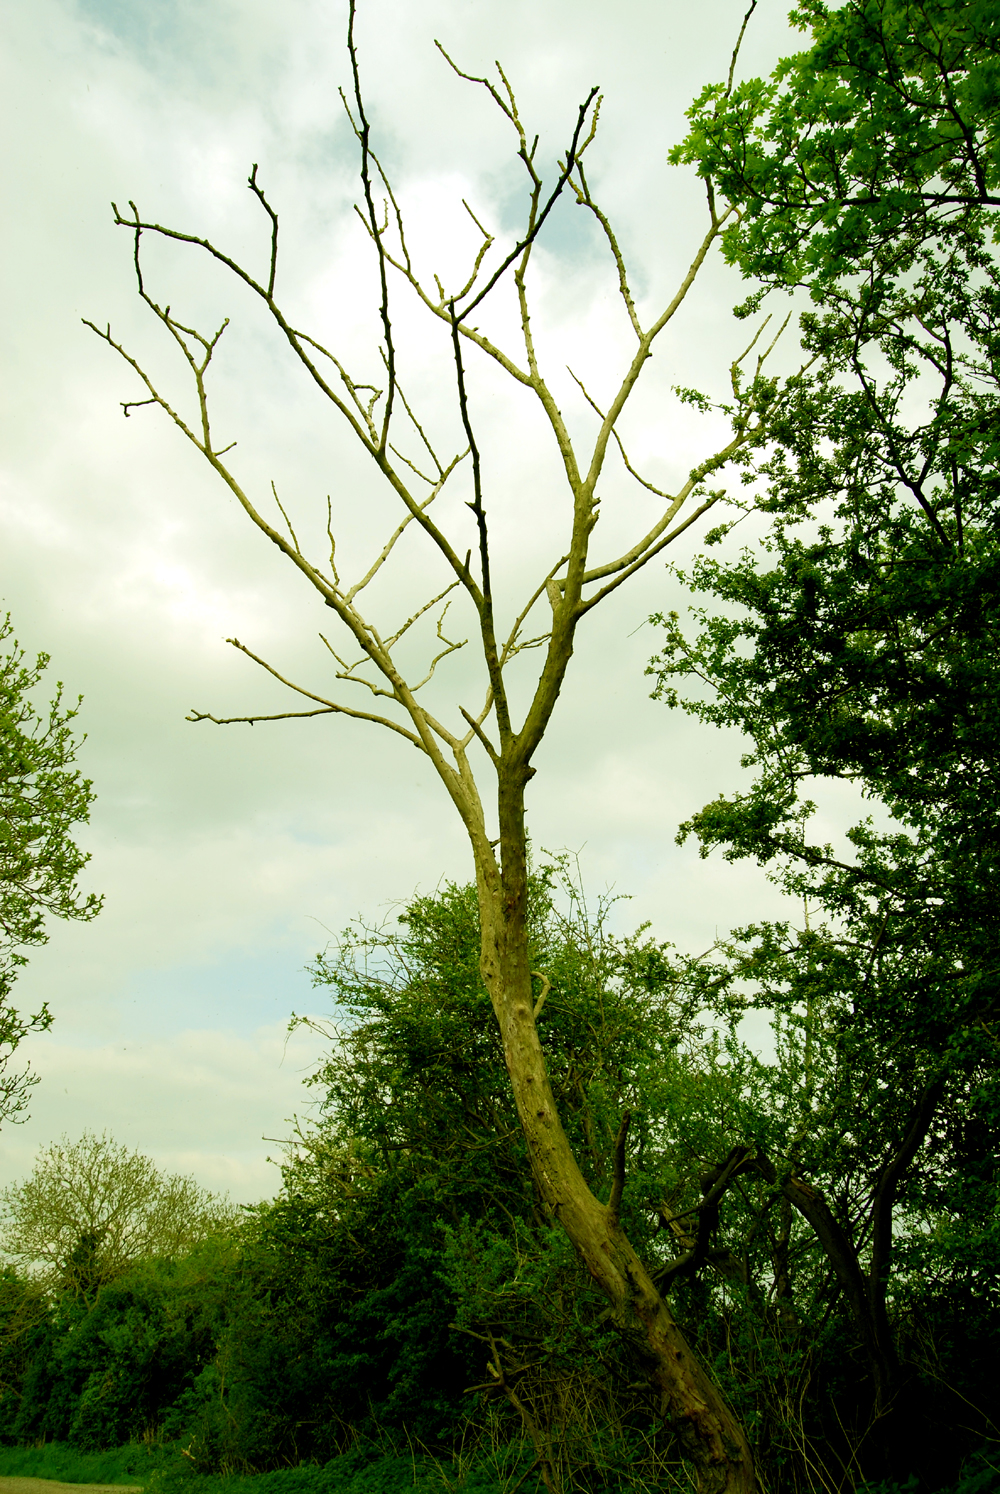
point(53, 1486)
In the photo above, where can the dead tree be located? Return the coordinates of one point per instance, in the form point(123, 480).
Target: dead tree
point(488, 789)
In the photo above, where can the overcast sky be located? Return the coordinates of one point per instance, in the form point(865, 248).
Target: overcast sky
point(229, 856)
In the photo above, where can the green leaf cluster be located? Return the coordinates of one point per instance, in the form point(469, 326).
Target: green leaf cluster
point(884, 133)
point(856, 648)
point(43, 797)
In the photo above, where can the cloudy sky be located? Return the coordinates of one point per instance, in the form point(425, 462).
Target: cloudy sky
point(229, 856)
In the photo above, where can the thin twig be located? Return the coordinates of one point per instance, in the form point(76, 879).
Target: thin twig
point(736, 49)
point(295, 542)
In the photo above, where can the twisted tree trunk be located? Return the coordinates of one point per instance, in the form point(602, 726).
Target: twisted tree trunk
point(710, 1435)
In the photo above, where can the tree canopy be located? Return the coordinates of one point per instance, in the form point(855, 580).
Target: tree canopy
point(859, 641)
point(91, 1207)
point(884, 133)
point(43, 798)
point(866, 648)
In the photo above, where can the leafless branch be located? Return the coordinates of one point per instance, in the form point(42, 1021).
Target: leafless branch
point(391, 542)
point(287, 520)
point(484, 248)
point(327, 706)
point(259, 194)
point(628, 465)
point(333, 543)
point(511, 647)
point(481, 736)
point(420, 612)
point(584, 199)
point(736, 49)
point(364, 132)
point(450, 648)
point(572, 156)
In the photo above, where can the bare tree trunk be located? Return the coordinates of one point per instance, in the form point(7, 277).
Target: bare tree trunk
point(710, 1435)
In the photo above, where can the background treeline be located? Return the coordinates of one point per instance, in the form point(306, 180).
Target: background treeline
point(405, 1290)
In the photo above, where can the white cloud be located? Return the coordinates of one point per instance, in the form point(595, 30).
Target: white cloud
point(200, 1102)
point(226, 854)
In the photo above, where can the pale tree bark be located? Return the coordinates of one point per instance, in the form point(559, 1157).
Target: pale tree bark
point(382, 420)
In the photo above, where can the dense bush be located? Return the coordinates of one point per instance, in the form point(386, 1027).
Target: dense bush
point(99, 1372)
point(407, 1297)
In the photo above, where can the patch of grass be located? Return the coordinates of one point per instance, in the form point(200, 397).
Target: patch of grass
point(120, 1465)
point(366, 1469)
point(363, 1470)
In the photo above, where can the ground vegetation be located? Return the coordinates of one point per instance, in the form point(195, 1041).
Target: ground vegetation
point(406, 1293)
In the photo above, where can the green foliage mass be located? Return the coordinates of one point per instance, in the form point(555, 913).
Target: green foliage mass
point(90, 1208)
point(886, 130)
point(43, 797)
point(857, 645)
point(406, 1299)
point(100, 1371)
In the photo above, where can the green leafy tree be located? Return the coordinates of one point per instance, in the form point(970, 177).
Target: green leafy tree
point(90, 1208)
point(43, 797)
point(854, 1255)
point(881, 138)
point(860, 642)
point(414, 1068)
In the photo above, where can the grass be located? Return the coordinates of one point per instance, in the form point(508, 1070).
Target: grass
point(68, 1464)
point(367, 1469)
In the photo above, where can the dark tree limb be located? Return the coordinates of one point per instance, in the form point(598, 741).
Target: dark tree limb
point(618, 1178)
point(714, 1185)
